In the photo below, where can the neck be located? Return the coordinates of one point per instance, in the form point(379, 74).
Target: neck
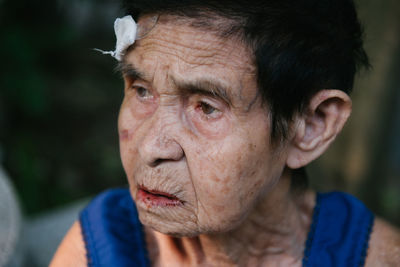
point(274, 233)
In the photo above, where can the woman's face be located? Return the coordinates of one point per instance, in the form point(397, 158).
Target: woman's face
point(194, 138)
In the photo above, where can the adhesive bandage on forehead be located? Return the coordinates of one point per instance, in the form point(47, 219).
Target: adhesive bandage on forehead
point(127, 31)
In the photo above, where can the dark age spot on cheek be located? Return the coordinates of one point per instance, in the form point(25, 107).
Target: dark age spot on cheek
point(254, 189)
point(215, 179)
point(219, 208)
point(252, 147)
point(124, 135)
point(225, 190)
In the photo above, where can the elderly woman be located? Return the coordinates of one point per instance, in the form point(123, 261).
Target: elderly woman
point(225, 104)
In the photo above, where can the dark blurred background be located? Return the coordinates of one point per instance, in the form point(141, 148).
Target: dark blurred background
point(59, 102)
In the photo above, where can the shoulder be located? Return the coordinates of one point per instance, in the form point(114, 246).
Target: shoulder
point(384, 245)
point(71, 251)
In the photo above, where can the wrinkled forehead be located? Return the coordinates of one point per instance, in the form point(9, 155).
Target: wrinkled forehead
point(175, 48)
point(209, 34)
point(220, 25)
point(174, 38)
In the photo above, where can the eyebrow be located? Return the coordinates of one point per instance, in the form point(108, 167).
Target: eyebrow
point(202, 86)
point(127, 69)
point(206, 87)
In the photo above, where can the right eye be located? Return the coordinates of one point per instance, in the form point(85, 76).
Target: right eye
point(142, 92)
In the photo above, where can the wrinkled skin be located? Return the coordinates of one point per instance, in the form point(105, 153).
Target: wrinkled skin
point(211, 151)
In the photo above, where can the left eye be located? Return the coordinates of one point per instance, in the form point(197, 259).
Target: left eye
point(206, 108)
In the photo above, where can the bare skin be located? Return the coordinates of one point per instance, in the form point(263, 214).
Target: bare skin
point(259, 241)
point(71, 251)
point(384, 245)
point(192, 126)
point(383, 249)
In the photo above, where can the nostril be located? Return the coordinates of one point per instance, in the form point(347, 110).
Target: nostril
point(157, 162)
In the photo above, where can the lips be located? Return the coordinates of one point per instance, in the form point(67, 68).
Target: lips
point(156, 198)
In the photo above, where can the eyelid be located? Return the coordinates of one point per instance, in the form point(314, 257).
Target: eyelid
point(132, 78)
point(147, 91)
point(214, 101)
point(207, 95)
point(214, 115)
point(138, 83)
point(207, 102)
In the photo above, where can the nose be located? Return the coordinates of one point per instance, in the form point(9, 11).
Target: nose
point(159, 143)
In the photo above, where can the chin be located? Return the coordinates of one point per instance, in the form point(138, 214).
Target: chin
point(184, 228)
point(165, 226)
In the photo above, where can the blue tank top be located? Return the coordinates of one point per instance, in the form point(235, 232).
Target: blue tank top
point(114, 236)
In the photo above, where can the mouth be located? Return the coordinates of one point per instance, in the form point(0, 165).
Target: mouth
point(157, 198)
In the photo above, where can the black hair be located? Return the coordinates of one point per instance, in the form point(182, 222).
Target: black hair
point(300, 46)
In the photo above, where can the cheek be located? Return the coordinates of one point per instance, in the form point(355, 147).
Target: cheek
point(225, 190)
point(140, 109)
point(230, 181)
point(128, 123)
point(210, 128)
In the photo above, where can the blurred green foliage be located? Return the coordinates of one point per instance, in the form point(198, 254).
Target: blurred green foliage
point(59, 102)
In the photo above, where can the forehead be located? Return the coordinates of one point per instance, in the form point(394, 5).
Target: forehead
point(182, 52)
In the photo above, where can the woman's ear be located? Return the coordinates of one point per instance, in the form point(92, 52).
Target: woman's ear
point(318, 126)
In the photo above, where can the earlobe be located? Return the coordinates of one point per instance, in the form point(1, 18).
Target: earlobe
point(318, 126)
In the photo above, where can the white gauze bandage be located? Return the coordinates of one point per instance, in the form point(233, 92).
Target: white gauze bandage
point(125, 30)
